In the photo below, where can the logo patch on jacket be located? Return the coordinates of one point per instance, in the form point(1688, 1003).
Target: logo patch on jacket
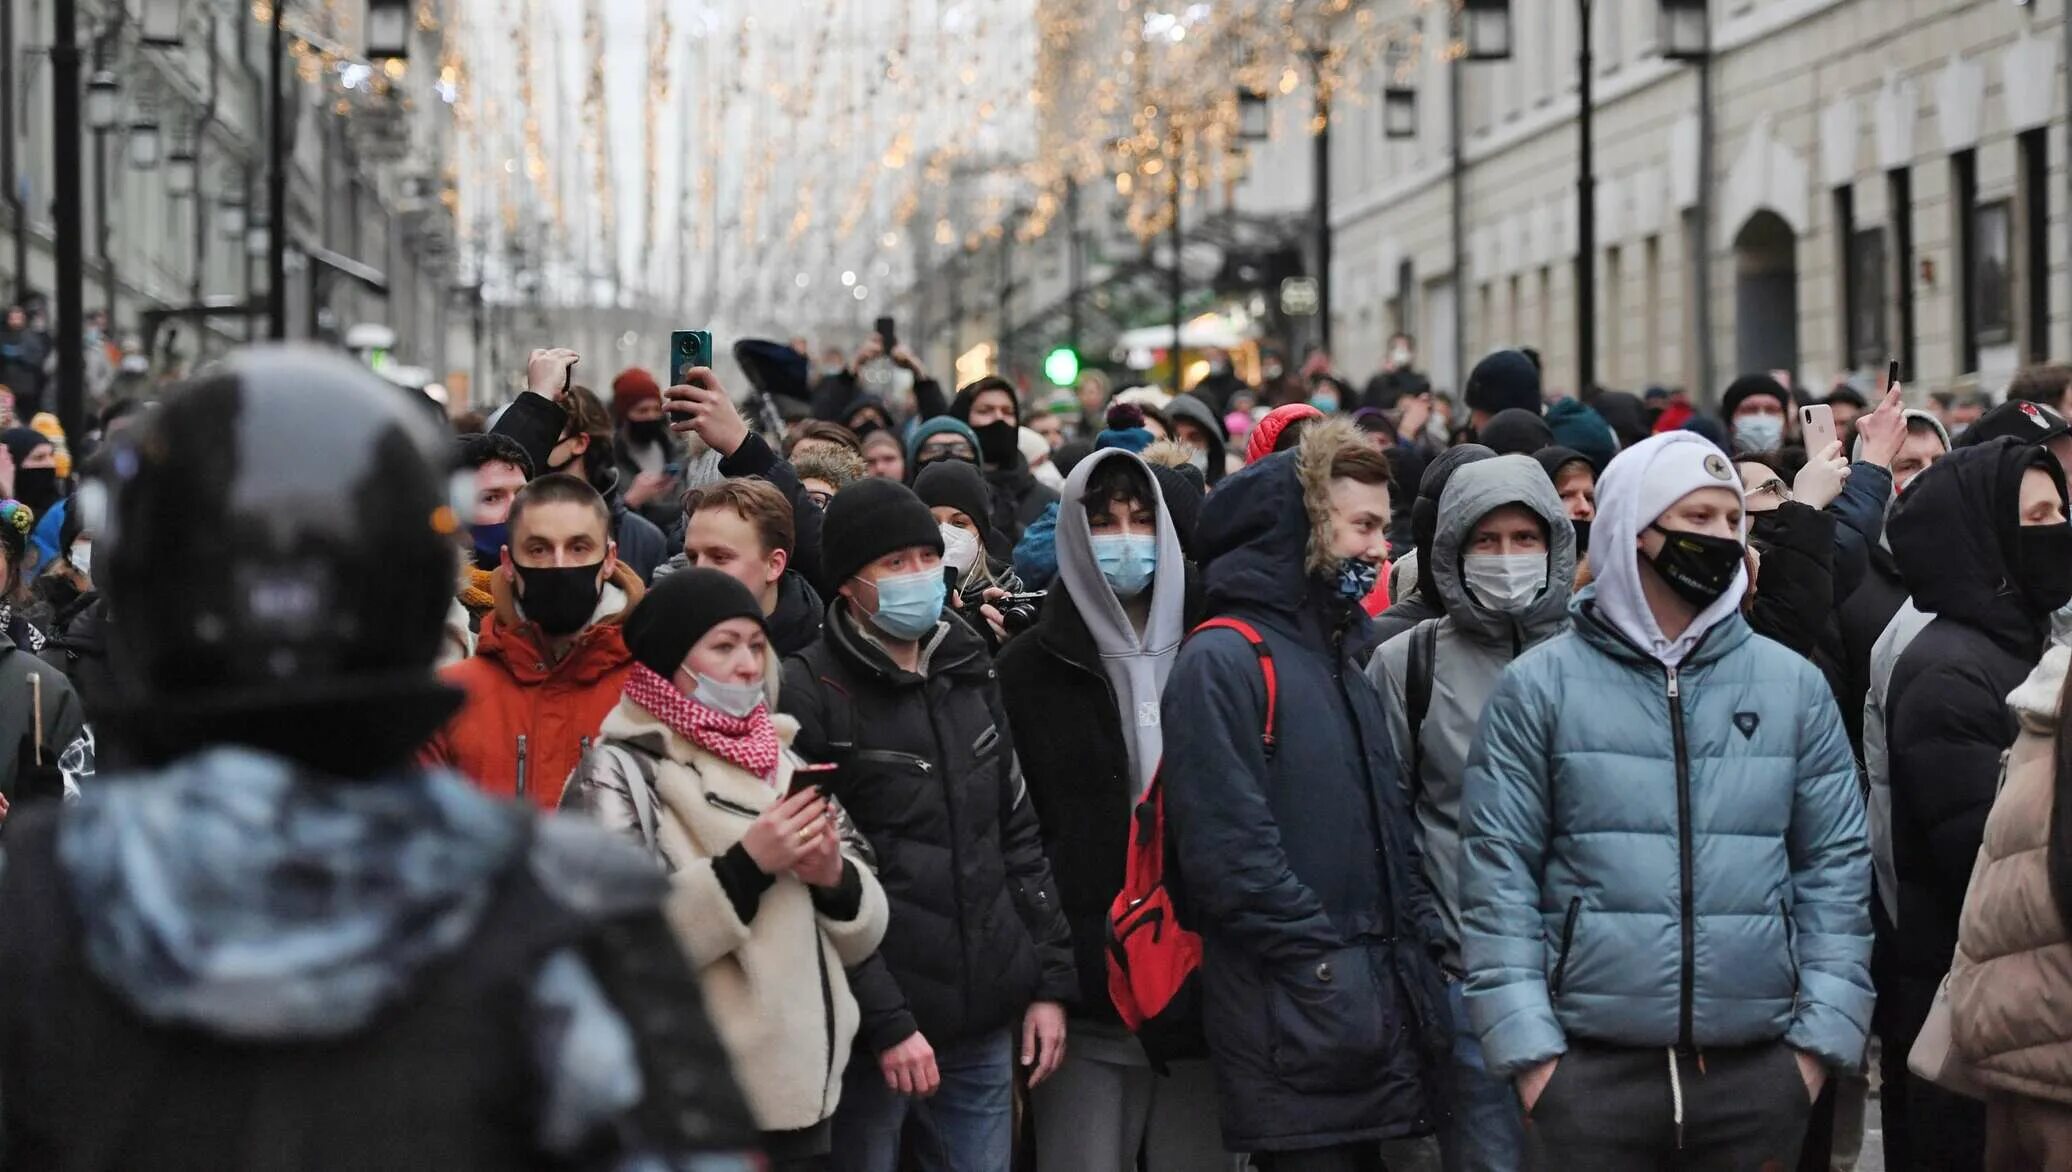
point(1747, 723)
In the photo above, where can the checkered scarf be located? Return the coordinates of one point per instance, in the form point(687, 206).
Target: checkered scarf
point(747, 741)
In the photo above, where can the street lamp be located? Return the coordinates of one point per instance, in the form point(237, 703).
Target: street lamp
point(103, 101)
point(145, 144)
point(181, 166)
point(388, 29)
point(1486, 29)
point(1399, 112)
point(161, 24)
point(1254, 117)
point(1683, 30)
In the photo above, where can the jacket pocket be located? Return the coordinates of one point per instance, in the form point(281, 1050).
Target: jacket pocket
point(1791, 945)
point(1329, 1020)
point(1568, 941)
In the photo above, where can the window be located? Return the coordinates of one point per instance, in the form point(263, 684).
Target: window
point(1992, 274)
point(1867, 343)
point(1899, 201)
point(2035, 197)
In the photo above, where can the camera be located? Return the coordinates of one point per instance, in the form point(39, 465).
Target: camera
point(1018, 612)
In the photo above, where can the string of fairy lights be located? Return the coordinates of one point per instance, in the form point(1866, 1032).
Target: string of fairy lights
point(789, 156)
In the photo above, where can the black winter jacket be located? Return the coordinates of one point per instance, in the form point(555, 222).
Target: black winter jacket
point(1322, 996)
point(1068, 733)
point(1947, 717)
point(1861, 620)
point(1018, 498)
point(1795, 588)
point(928, 774)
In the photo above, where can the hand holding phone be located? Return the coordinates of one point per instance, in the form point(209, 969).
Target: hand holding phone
point(700, 405)
point(888, 337)
point(551, 372)
point(807, 777)
point(1817, 425)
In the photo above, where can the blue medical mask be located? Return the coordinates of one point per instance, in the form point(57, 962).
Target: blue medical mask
point(1325, 401)
point(1759, 433)
point(909, 605)
point(1127, 561)
point(490, 541)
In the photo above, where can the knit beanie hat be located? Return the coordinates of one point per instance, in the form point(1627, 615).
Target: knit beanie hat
point(1126, 430)
point(1583, 428)
point(953, 484)
point(1505, 379)
point(20, 441)
point(1516, 432)
point(937, 426)
point(870, 519)
point(1268, 433)
point(1747, 387)
point(633, 387)
point(677, 611)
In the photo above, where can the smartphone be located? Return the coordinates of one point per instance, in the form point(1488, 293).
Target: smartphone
point(1892, 376)
point(1817, 423)
point(810, 776)
point(688, 348)
point(886, 334)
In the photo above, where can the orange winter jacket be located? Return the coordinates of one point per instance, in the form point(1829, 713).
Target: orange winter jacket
point(527, 720)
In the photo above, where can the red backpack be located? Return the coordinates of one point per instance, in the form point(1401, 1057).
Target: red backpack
point(1152, 961)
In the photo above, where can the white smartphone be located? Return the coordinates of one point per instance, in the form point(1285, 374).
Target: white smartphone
point(1817, 424)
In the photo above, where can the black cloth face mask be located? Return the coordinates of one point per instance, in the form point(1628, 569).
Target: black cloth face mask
point(1698, 566)
point(2044, 553)
point(560, 599)
point(997, 442)
point(647, 431)
point(36, 488)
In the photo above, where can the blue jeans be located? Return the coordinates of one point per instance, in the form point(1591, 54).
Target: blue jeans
point(1487, 1129)
point(967, 1125)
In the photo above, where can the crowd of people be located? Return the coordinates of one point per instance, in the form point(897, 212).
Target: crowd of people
point(692, 776)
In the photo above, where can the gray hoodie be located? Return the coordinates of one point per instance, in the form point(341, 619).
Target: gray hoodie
point(1136, 665)
point(1472, 645)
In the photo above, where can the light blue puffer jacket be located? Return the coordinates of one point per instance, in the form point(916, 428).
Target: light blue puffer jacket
point(1611, 896)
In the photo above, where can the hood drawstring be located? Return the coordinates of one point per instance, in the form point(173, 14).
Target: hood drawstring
point(1676, 1097)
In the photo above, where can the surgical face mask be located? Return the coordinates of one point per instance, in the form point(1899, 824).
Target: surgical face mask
point(81, 556)
point(1325, 401)
point(736, 700)
point(1400, 357)
point(1759, 433)
point(1698, 566)
point(1127, 561)
point(1200, 460)
point(959, 548)
point(909, 605)
point(1506, 583)
point(560, 599)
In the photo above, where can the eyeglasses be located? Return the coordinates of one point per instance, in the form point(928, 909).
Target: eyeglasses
point(819, 498)
point(957, 448)
point(1772, 487)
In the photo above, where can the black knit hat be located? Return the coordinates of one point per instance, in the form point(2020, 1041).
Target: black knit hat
point(1515, 431)
point(1504, 380)
point(678, 610)
point(956, 485)
point(870, 519)
point(1747, 387)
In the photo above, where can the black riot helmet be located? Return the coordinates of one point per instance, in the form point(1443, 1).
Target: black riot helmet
point(280, 557)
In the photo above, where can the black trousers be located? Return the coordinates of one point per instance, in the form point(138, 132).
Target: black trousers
point(1612, 1109)
point(1349, 1158)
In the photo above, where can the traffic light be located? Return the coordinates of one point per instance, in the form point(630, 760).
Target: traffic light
point(1061, 366)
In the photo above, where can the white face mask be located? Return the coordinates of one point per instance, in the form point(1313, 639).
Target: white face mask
point(959, 548)
point(1505, 583)
point(1759, 433)
point(81, 557)
point(736, 700)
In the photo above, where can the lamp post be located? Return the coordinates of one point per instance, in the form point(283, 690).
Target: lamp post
point(1586, 212)
point(277, 182)
point(1176, 288)
point(71, 243)
point(1320, 135)
point(1685, 33)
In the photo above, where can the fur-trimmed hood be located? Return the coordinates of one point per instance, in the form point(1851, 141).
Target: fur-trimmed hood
point(1265, 536)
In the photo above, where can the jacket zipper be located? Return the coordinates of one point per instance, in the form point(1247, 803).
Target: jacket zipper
point(892, 758)
point(521, 765)
point(1685, 864)
point(720, 803)
point(1791, 947)
point(1568, 939)
point(827, 1007)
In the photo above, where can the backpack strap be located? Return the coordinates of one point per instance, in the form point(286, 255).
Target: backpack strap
point(1417, 689)
point(1266, 670)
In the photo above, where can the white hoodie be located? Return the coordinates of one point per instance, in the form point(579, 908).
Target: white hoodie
point(1638, 486)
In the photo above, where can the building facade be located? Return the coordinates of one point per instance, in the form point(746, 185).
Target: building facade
point(1870, 179)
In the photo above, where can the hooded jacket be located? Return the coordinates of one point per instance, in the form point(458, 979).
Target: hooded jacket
point(2011, 985)
point(396, 971)
point(528, 718)
point(1470, 648)
point(928, 773)
point(1663, 843)
point(1322, 998)
point(772, 975)
point(1190, 408)
point(1082, 696)
point(1947, 721)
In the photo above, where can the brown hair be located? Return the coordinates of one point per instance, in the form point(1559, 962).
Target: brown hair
point(755, 501)
point(1362, 464)
point(587, 416)
point(2041, 384)
point(839, 467)
point(821, 429)
point(559, 488)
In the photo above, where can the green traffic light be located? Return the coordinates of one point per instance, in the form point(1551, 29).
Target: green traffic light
point(1061, 367)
